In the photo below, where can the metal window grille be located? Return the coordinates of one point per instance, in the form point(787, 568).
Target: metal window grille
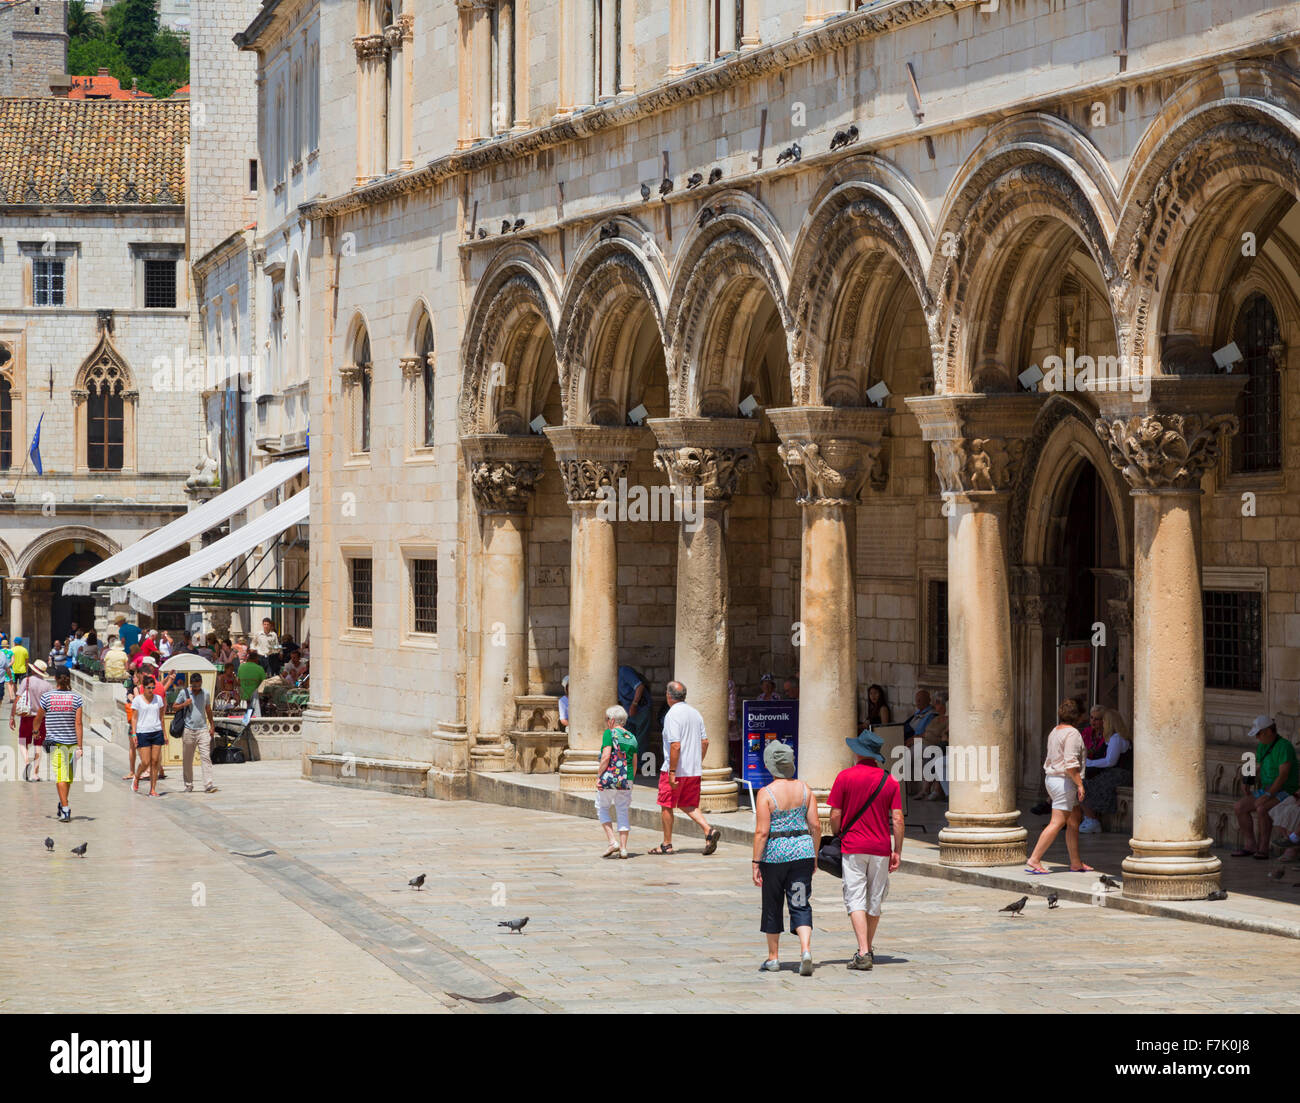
point(49, 284)
point(1234, 639)
point(1258, 444)
point(160, 284)
point(424, 595)
point(362, 593)
point(936, 635)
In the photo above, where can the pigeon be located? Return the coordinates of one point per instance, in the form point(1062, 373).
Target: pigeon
point(715, 176)
point(665, 186)
point(80, 851)
point(519, 225)
point(1016, 906)
point(482, 233)
point(417, 883)
point(610, 229)
point(505, 226)
point(1109, 882)
point(839, 138)
point(791, 153)
point(1052, 900)
point(1219, 894)
point(516, 925)
point(645, 193)
point(706, 216)
point(694, 180)
point(49, 844)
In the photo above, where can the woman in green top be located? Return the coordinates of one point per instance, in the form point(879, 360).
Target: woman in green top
point(1276, 777)
point(614, 780)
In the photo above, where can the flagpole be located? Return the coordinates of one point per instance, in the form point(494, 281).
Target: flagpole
point(14, 493)
point(27, 455)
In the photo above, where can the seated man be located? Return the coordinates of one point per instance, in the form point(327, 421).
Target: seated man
point(914, 728)
point(1276, 777)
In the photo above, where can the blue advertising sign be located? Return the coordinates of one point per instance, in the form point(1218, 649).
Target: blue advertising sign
point(764, 721)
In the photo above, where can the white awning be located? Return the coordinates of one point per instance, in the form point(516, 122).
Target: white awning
point(143, 592)
point(184, 529)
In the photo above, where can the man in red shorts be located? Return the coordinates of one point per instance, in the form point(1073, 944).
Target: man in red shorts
point(685, 744)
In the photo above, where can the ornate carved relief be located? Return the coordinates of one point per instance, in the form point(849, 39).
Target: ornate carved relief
point(1165, 450)
point(831, 472)
point(503, 486)
point(979, 465)
point(714, 471)
point(584, 478)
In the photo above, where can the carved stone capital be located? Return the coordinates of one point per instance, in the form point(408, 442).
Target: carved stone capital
point(80, 394)
point(369, 46)
point(591, 457)
point(704, 455)
point(393, 36)
point(351, 373)
point(412, 367)
point(503, 470)
point(16, 586)
point(829, 452)
point(978, 439)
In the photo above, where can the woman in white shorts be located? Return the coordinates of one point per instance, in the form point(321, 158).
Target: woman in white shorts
point(614, 780)
point(1063, 771)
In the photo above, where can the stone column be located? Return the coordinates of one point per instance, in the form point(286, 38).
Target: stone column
point(749, 36)
point(978, 440)
point(584, 55)
point(1164, 447)
point(503, 472)
point(407, 23)
point(828, 453)
point(396, 93)
point(704, 459)
point(1037, 619)
point(627, 55)
point(592, 460)
point(16, 587)
point(1120, 614)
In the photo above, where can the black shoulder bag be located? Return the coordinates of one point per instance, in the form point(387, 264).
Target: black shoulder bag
point(830, 855)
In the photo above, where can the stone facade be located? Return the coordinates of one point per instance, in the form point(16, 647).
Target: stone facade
point(33, 46)
point(796, 207)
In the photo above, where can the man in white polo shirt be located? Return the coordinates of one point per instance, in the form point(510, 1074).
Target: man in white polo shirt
point(685, 744)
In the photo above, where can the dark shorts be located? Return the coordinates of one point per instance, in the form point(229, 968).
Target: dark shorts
point(787, 883)
point(25, 726)
point(686, 795)
point(149, 739)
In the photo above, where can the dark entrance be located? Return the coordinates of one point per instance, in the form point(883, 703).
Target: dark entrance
point(65, 611)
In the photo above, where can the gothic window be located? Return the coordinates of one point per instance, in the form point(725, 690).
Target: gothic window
point(6, 425)
point(105, 416)
point(357, 380)
point(1257, 447)
point(424, 349)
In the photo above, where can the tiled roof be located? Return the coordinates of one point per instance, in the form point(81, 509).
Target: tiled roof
point(103, 86)
point(93, 151)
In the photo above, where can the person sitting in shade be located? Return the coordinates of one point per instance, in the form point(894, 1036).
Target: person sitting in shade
point(564, 704)
point(1276, 777)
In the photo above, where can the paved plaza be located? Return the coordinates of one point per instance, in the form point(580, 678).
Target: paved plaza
point(277, 894)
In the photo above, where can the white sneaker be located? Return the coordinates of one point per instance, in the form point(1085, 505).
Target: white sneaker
point(1090, 827)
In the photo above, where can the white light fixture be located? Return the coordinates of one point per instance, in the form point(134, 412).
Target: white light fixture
point(878, 394)
point(637, 416)
point(537, 424)
point(1031, 377)
point(748, 406)
point(1227, 356)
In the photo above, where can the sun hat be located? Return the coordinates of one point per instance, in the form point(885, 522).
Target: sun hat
point(767, 678)
point(1261, 722)
point(866, 745)
point(40, 667)
point(778, 757)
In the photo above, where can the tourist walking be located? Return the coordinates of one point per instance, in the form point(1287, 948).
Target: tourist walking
point(199, 731)
point(147, 727)
point(614, 780)
point(17, 661)
point(1062, 769)
point(26, 704)
point(785, 855)
point(58, 719)
point(867, 807)
point(685, 745)
point(251, 675)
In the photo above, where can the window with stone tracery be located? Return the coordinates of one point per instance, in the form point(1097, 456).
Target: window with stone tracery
point(424, 350)
point(357, 381)
point(1257, 446)
point(106, 385)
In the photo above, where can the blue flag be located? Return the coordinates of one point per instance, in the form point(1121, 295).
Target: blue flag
point(35, 450)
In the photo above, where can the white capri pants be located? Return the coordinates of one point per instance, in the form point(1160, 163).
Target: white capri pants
point(620, 799)
point(866, 882)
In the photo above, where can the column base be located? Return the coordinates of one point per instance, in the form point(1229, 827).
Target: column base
point(491, 754)
point(1183, 870)
point(983, 839)
point(578, 770)
point(719, 791)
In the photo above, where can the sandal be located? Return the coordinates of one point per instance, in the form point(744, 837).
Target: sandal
point(711, 841)
point(662, 848)
point(611, 852)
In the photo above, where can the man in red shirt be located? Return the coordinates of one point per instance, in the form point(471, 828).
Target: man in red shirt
point(874, 840)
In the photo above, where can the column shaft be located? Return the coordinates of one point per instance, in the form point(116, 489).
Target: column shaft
point(503, 609)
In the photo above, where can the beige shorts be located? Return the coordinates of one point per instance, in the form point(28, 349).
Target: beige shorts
point(866, 882)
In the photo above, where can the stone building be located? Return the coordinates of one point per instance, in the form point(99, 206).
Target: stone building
point(845, 275)
point(33, 46)
point(92, 297)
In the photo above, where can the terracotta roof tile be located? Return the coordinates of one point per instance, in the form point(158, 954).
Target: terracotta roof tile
point(73, 151)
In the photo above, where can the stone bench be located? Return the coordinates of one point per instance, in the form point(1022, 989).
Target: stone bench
point(1223, 765)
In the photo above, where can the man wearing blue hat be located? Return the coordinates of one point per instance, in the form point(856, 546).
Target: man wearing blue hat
point(866, 803)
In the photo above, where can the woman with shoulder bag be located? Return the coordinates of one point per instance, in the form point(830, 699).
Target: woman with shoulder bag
point(26, 700)
point(614, 780)
point(786, 823)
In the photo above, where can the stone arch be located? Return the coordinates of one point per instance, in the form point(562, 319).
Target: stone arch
point(513, 320)
point(1026, 198)
point(617, 282)
point(8, 561)
point(865, 230)
point(419, 315)
point(68, 534)
point(727, 265)
point(1222, 159)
